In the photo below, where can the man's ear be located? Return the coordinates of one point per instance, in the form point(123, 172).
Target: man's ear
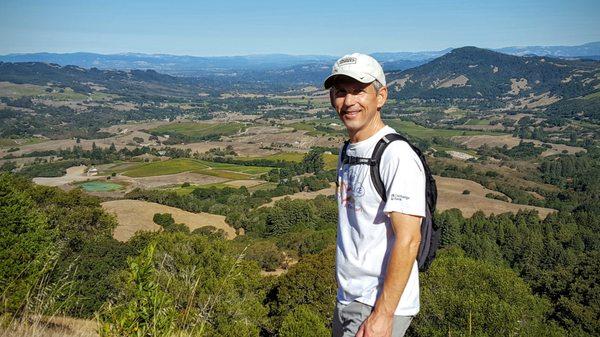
point(382, 97)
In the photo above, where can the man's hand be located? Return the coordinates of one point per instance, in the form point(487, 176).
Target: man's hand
point(376, 326)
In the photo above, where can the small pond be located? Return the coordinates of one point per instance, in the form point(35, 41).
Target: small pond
point(99, 186)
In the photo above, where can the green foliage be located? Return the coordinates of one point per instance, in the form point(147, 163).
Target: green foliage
point(56, 169)
point(310, 282)
point(303, 322)
point(214, 290)
point(554, 256)
point(290, 216)
point(266, 254)
point(465, 297)
point(26, 241)
point(586, 108)
point(575, 294)
point(143, 308)
point(166, 221)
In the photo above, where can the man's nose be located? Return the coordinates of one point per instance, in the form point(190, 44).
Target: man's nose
point(349, 99)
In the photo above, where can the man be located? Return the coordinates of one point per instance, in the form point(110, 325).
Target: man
point(378, 242)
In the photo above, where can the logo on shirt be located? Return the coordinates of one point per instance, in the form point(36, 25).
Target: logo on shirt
point(395, 196)
point(349, 189)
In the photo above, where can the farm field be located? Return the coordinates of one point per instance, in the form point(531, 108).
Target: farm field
point(296, 157)
point(173, 166)
point(136, 215)
point(199, 130)
point(475, 141)
point(415, 130)
point(8, 142)
point(252, 185)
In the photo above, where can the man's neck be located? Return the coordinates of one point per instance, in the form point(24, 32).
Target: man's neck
point(365, 133)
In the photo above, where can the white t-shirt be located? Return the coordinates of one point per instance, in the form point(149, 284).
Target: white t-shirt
point(365, 235)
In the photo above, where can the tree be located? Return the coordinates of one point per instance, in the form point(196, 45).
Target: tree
point(303, 322)
point(26, 243)
point(311, 282)
point(462, 297)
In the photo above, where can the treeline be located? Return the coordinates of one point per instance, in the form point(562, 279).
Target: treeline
point(78, 156)
point(176, 282)
point(578, 108)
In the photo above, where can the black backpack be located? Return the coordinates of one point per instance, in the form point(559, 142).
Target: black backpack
point(430, 233)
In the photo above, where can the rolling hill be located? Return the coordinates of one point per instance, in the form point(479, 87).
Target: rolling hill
point(472, 73)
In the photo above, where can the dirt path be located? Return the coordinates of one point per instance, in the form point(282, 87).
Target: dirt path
point(136, 215)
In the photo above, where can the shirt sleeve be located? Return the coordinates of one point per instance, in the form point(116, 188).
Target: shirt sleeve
point(403, 176)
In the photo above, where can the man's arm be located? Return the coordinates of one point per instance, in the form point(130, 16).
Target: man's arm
point(407, 230)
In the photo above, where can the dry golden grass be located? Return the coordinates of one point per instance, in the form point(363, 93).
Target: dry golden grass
point(450, 196)
point(245, 182)
point(474, 142)
point(136, 215)
point(36, 326)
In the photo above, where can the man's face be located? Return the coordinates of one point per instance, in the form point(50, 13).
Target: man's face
point(356, 103)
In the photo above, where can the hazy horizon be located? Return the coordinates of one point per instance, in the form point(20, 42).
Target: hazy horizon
point(237, 28)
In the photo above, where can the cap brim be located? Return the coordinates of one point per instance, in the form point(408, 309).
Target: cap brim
point(360, 77)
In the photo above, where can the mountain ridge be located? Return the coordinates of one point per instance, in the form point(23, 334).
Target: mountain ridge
point(188, 65)
point(481, 74)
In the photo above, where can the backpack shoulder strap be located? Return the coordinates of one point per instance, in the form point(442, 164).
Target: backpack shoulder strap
point(343, 155)
point(376, 160)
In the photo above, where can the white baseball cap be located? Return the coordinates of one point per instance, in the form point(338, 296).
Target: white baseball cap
point(360, 67)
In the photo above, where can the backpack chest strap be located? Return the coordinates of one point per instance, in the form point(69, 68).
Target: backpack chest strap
point(350, 160)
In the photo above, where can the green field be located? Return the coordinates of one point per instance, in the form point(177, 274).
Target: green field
point(296, 157)
point(414, 130)
point(477, 122)
point(9, 142)
point(13, 90)
point(173, 166)
point(189, 189)
point(330, 161)
point(593, 95)
point(199, 130)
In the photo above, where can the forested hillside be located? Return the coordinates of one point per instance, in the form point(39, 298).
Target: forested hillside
point(498, 275)
point(480, 74)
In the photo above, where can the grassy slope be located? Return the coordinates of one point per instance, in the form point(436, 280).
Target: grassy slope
point(173, 166)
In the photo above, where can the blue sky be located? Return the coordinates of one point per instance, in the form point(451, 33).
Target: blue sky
point(228, 27)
